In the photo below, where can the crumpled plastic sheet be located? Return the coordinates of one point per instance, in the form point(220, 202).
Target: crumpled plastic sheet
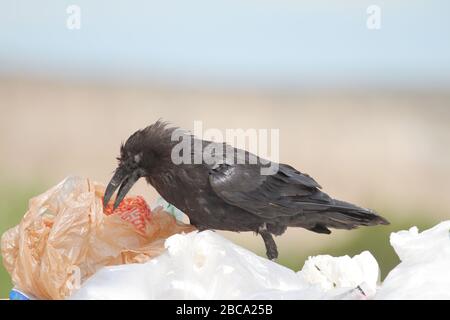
point(65, 237)
point(207, 266)
point(423, 273)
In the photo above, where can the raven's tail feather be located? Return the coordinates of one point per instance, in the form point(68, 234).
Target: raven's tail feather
point(344, 215)
point(339, 215)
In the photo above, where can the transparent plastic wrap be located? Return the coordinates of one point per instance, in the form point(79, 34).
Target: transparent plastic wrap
point(65, 237)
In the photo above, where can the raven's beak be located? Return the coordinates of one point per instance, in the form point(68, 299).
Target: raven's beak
point(123, 179)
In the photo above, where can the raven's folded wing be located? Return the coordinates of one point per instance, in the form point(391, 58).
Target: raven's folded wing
point(286, 193)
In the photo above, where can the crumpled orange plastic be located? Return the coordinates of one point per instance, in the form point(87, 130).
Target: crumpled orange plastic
point(65, 237)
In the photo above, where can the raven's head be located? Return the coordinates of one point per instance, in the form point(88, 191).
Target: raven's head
point(145, 152)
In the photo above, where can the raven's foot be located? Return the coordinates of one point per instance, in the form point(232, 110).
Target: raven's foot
point(271, 246)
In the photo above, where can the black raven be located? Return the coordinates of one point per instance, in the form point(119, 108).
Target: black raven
point(232, 196)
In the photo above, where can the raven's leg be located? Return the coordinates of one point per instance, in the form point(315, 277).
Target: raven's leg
point(271, 246)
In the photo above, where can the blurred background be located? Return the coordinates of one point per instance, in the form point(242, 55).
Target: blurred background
point(364, 110)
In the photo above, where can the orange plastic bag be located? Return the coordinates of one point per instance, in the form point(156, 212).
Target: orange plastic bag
point(65, 237)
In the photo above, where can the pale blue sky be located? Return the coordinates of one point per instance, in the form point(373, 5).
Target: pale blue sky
point(232, 42)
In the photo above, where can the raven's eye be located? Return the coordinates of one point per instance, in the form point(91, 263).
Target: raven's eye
point(138, 158)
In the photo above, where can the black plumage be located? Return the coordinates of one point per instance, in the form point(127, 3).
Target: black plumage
point(221, 195)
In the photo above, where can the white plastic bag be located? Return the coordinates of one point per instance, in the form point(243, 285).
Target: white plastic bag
point(207, 266)
point(424, 270)
point(344, 272)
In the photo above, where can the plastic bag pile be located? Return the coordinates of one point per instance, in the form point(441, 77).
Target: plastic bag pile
point(207, 266)
point(66, 236)
point(138, 254)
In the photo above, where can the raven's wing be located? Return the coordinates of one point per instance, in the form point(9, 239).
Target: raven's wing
point(287, 192)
